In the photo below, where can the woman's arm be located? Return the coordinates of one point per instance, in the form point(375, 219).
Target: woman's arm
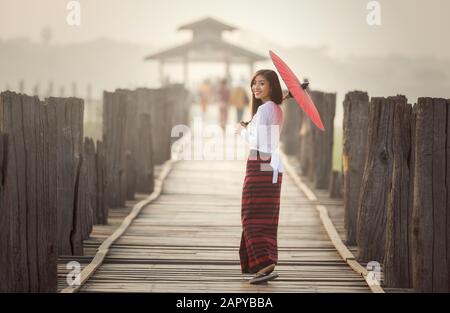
point(250, 133)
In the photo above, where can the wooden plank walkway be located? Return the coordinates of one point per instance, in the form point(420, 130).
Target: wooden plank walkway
point(188, 239)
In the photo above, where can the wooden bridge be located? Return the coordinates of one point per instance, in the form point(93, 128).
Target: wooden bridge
point(188, 239)
point(185, 238)
point(127, 214)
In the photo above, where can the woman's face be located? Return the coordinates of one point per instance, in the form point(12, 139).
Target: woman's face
point(261, 88)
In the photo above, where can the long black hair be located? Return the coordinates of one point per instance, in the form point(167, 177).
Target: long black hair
point(276, 94)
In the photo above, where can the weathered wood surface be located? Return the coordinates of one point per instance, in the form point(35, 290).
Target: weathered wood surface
point(148, 134)
point(48, 189)
point(99, 234)
point(131, 142)
point(101, 212)
point(316, 146)
point(335, 206)
point(145, 173)
point(4, 221)
point(65, 116)
point(86, 189)
point(322, 141)
point(412, 165)
point(336, 184)
point(97, 237)
point(431, 205)
point(28, 197)
point(376, 181)
point(306, 142)
point(354, 152)
point(188, 239)
point(399, 212)
point(180, 96)
point(160, 120)
point(336, 212)
point(114, 134)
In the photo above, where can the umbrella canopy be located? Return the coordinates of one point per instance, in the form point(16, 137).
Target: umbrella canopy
point(295, 88)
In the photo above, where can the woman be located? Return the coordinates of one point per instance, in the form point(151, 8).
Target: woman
point(262, 185)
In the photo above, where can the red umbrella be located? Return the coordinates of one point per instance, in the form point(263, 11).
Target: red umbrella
point(296, 90)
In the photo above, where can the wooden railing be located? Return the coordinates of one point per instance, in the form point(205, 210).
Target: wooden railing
point(395, 167)
point(56, 184)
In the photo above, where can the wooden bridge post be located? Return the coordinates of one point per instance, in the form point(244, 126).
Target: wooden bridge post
point(28, 210)
point(186, 107)
point(5, 273)
point(65, 116)
point(131, 141)
point(336, 184)
point(114, 125)
point(356, 115)
point(292, 122)
point(412, 165)
point(101, 213)
point(306, 142)
point(146, 111)
point(178, 96)
point(431, 205)
point(86, 201)
point(322, 147)
point(168, 115)
point(145, 179)
point(398, 218)
point(377, 178)
point(159, 123)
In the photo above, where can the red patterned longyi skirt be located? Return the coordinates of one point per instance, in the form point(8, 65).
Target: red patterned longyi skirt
point(260, 208)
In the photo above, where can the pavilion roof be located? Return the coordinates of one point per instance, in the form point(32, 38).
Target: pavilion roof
point(207, 45)
point(207, 23)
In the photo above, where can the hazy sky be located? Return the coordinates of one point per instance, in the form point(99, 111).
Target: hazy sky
point(409, 27)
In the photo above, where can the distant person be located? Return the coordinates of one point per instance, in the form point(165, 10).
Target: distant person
point(204, 95)
point(223, 94)
point(240, 100)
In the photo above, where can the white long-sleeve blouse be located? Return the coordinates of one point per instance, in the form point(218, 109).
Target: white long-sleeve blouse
point(263, 134)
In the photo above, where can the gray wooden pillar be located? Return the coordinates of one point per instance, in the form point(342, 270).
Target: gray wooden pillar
point(430, 216)
point(356, 115)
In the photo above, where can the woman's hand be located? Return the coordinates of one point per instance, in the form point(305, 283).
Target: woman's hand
point(239, 127)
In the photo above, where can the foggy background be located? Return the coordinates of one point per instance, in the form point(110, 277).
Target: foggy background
point(327, 41)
